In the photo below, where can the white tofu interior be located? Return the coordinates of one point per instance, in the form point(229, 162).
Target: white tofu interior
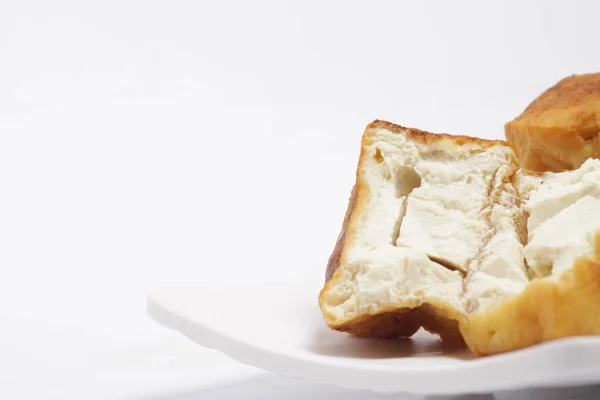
point(564, 217)
point(443, 216)
point(443, 224)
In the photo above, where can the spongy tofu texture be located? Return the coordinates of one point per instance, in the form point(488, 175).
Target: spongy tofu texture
point(437, 213)
point(564, 217)
point(452, 222)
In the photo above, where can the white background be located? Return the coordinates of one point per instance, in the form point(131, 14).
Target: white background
point(149, 143)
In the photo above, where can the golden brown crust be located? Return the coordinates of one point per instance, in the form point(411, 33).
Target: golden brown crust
point(434, 316)
point(567, 93)
point(548, 309)
point(404, 322)
point(559, 130)
point(334, 259)
point(358, 200)
point(387, 324)
point(429, 137)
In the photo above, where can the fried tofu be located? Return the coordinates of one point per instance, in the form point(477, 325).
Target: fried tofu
point(559, 130)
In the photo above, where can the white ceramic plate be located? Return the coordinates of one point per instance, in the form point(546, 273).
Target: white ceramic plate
point(278, 327)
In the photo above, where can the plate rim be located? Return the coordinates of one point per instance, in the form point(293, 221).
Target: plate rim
point(296, 367)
